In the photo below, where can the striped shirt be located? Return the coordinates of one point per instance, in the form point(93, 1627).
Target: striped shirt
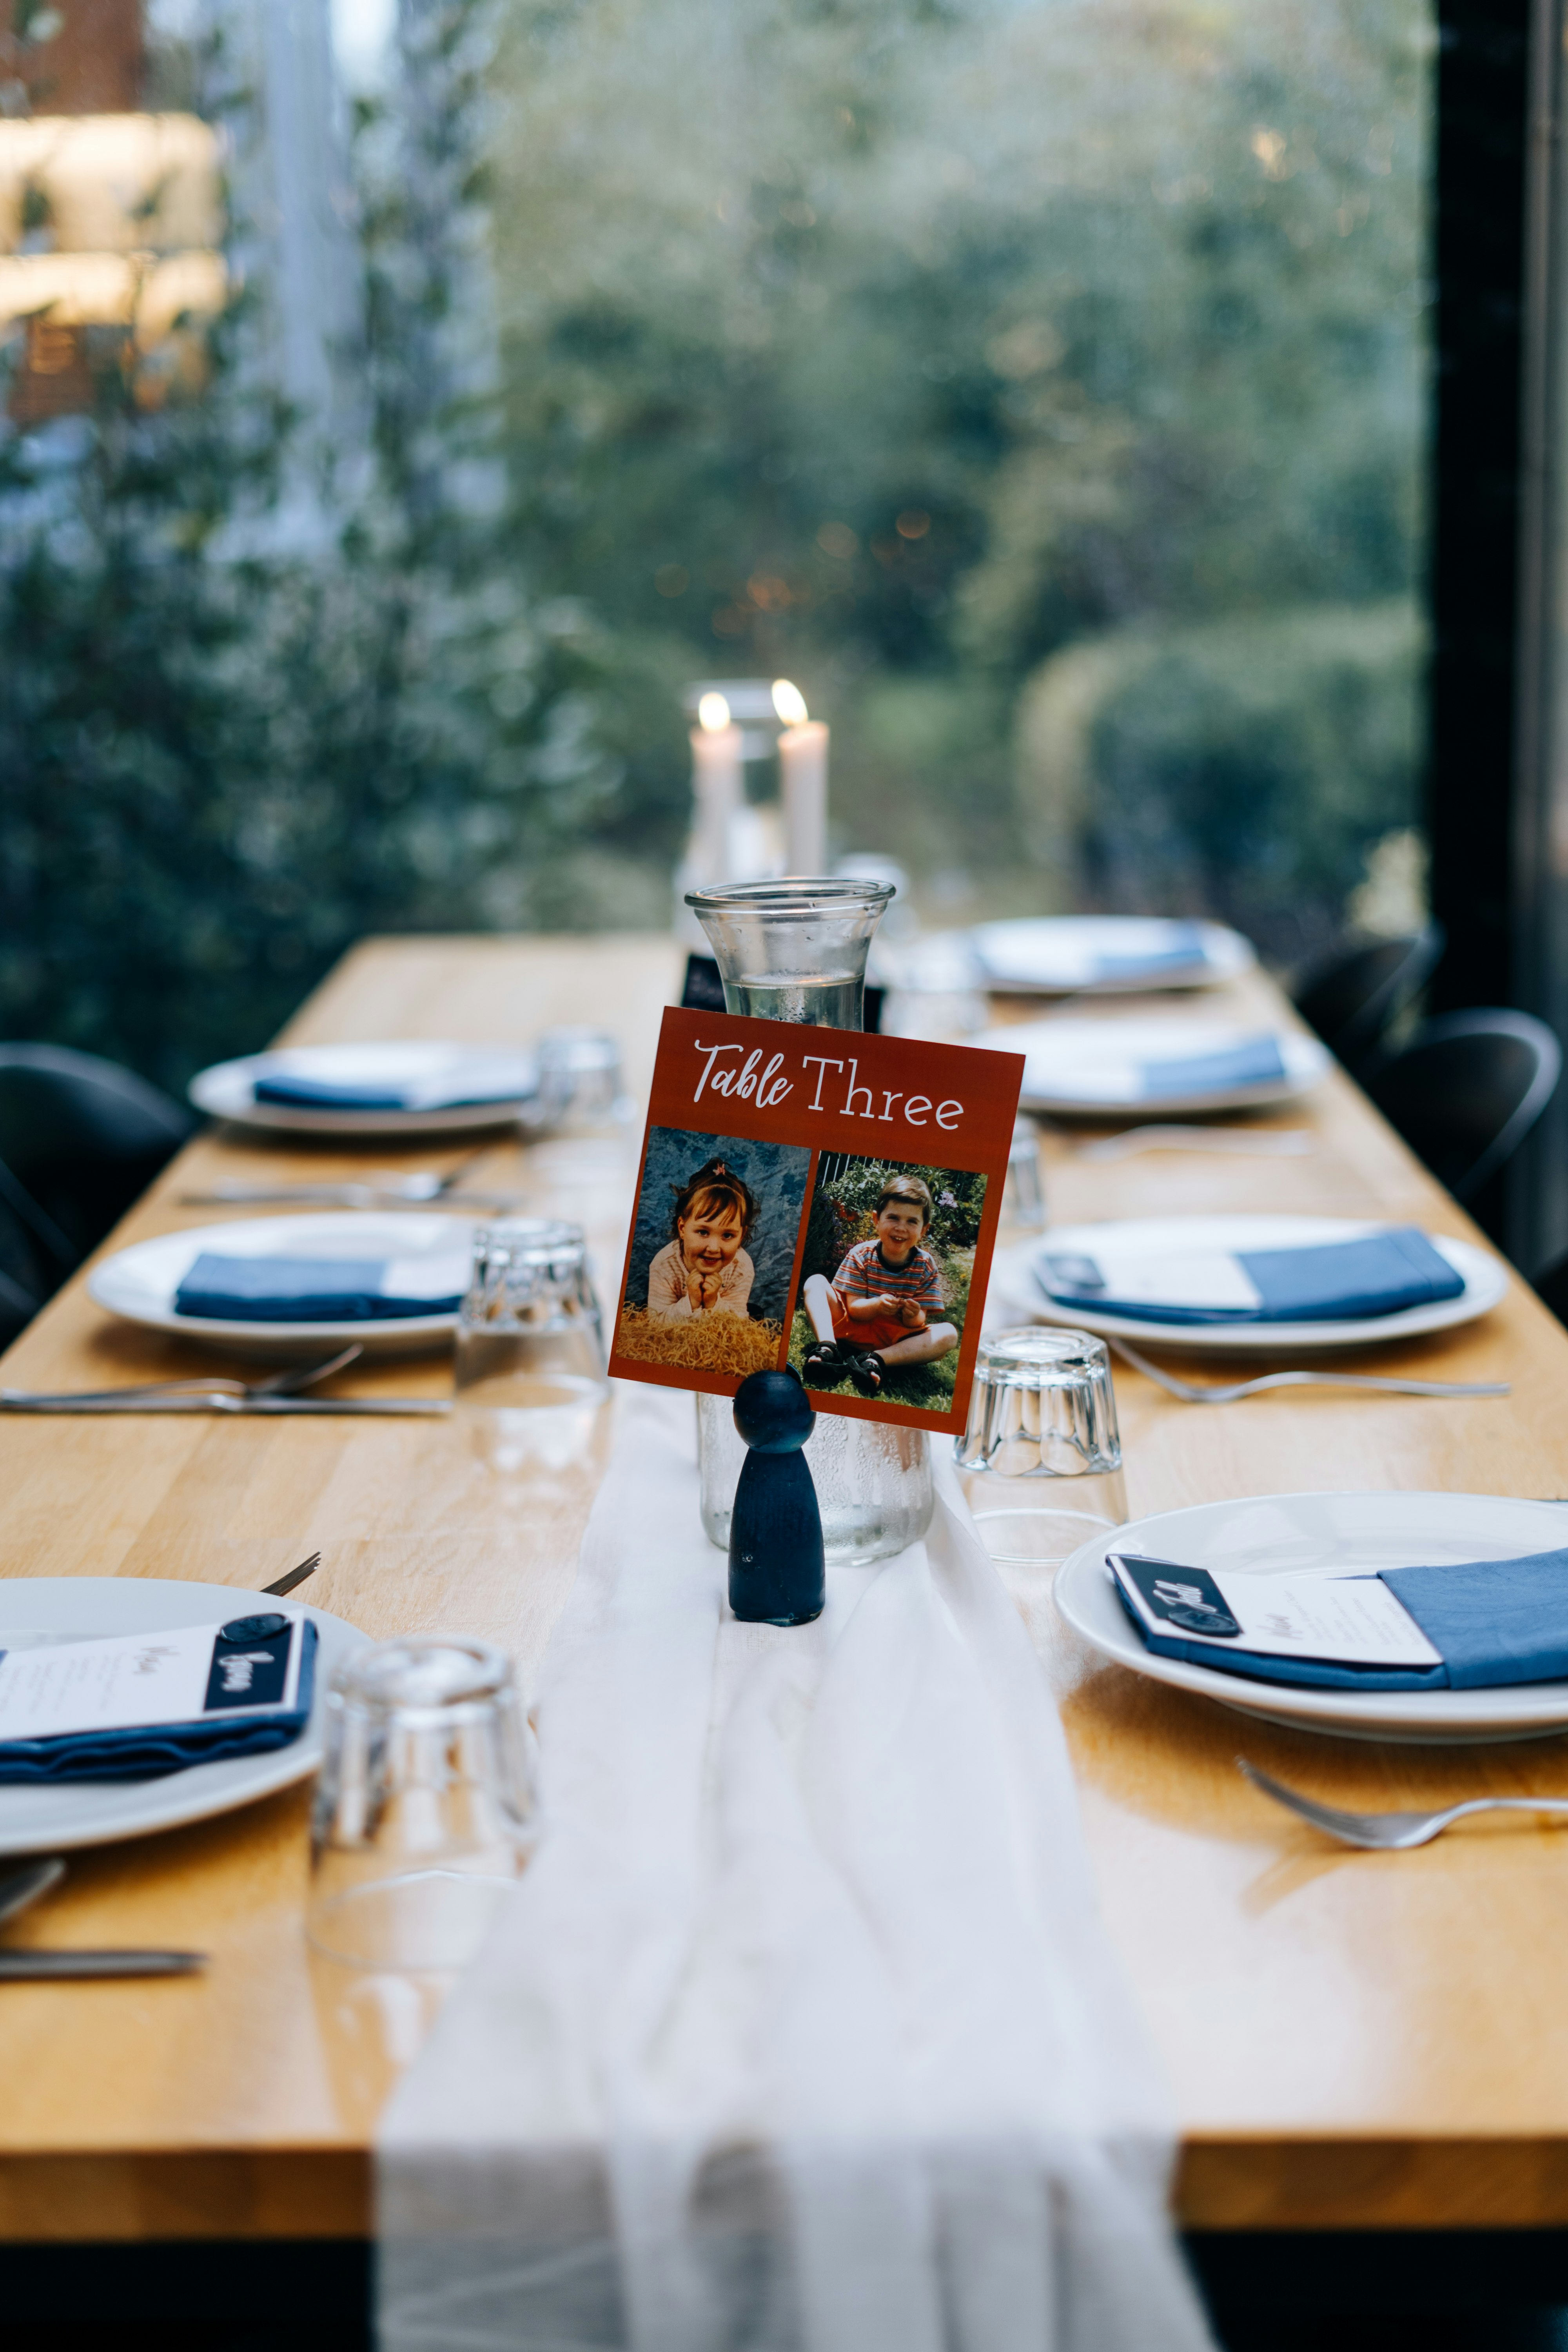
point(866, 1274)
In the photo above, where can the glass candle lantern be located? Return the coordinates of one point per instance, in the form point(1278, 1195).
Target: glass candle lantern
point(795, 951)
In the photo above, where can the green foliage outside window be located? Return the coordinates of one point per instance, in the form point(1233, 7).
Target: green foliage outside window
point(1042, 388)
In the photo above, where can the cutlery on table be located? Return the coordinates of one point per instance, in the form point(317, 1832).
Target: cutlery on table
point(23, 1968)
point(1390, 1832)
point(1231, 1391)
point(22, 1887)
point(277, 1384)
point(219, 1402)
point(417, 1190)
point(296, 1576)
point(1262, 1143)
point(350, 1196)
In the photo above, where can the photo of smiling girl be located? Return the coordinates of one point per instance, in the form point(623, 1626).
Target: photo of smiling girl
point(711, 1254)
point(705, 1269)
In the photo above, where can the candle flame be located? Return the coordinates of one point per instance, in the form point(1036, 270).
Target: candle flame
point(713, 713)
point(789, 702)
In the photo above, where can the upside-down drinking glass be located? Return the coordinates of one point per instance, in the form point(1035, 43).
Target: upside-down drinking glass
point(529, 1329)
point(424, 1809)
point(1041, 1457)
point(795, 951)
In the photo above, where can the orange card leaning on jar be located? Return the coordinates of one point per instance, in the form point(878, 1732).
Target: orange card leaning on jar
point(819, 1199)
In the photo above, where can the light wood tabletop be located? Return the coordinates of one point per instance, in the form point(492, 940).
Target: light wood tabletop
point(1354, 2039)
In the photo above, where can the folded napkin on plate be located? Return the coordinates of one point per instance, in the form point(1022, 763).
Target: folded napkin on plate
point(1251, 1061)
point(1492, 1621)
point(1322, 1282)
point(801, 2030)
point(1152, 961)
point(1008, 951)
point(320, 1289)
point(457, 1089)
point(152, 1751)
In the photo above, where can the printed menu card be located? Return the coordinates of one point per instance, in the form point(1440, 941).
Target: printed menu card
point(820, 1199)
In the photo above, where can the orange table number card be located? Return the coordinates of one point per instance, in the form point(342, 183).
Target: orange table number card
point(819, 1199)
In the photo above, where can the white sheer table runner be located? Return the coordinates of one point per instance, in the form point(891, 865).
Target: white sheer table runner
point(802, 2034)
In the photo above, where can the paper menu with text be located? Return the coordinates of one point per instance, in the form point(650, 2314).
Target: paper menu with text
point(762, 1227)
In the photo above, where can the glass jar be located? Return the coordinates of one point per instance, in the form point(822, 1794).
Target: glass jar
point(873, 1482)
point(795, 951)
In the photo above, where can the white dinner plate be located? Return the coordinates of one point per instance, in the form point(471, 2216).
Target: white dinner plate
point(1059, 955)
point(227, 1089)
point(1017, 1289)
point(140, 1283)
point(41, 1609)
point(1094, 1066)
point(1301, 1532)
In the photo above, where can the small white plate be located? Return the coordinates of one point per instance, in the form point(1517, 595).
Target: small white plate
point(40, 1819)
point(227, 1089)
point(140, 1283)
point(1093, 1066)
point(1018, 1291)
point(1272, 1532)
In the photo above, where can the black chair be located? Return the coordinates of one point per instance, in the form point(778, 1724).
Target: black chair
point(22, 1288)
point(1465, 1091)
point(79, 1139)
point(1354, 997)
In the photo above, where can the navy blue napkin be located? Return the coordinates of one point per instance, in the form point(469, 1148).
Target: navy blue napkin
point(1249, 1063)
point(298, 1290)
point(1187, 948)
point(152, 1751)
point(1322, 1282)
point(382, 1094)
point(1493, 1621)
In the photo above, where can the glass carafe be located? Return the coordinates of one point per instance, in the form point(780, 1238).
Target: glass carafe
point(795, 951)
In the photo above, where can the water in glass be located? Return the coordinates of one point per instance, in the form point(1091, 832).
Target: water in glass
point(795, 951)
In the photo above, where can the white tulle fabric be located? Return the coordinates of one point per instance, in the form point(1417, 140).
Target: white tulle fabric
point(802, 2035)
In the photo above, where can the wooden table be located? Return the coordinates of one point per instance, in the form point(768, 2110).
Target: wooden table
point(1355, 2041)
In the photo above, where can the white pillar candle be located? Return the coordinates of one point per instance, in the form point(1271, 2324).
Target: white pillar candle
point(803, 773)
point(717, 794)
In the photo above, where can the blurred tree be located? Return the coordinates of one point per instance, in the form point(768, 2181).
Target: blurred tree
point(225, 753)
point(901, 345)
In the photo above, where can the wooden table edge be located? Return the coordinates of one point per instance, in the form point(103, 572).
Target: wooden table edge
point(1332, 2182)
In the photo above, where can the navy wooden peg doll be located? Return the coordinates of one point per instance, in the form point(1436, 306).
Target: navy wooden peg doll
point(776, 1533)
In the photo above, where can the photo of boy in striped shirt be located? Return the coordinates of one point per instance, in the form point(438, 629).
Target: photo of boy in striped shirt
point(878, 1310)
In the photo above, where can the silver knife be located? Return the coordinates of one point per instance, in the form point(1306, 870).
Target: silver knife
point(429, 1408)
point(31, 1966)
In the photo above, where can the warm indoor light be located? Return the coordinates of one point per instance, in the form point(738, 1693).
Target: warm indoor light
point(713, 713)
point(111, 183)
point(147, 291)
point(790, 703)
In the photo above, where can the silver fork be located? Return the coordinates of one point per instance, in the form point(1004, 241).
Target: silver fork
point(288, 1383)
point(1390, 1832)
point(1231, 1391)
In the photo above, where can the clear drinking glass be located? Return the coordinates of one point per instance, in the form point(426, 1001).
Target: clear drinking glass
point(1042, 1412)
point(580, 1070)
point(795, 951)
point(1024, 1198)
point(424, 1804)
point(528, 1330)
